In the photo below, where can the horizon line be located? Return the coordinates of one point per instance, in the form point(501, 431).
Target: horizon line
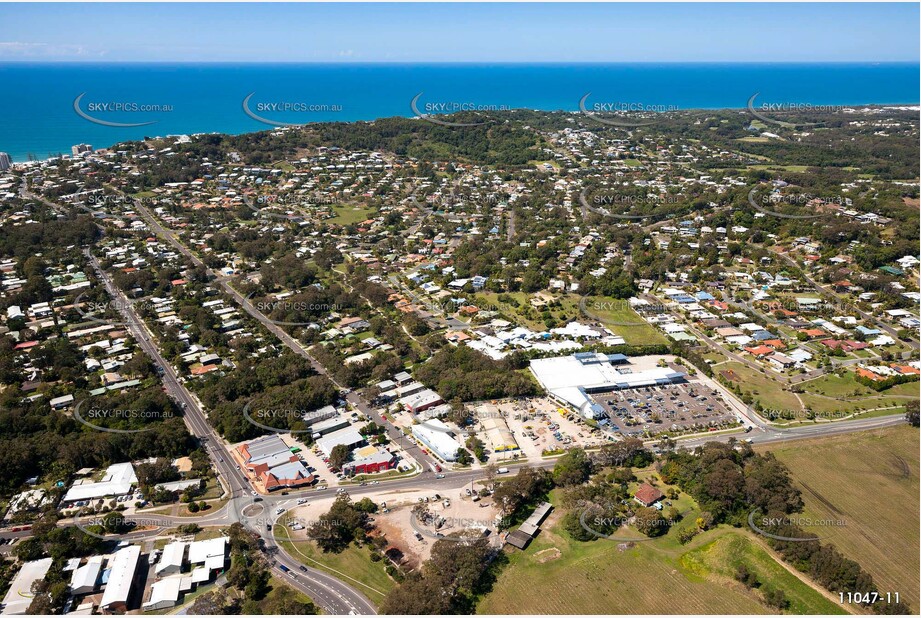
point(459, 62)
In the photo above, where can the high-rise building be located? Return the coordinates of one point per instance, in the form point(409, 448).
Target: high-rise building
point(79, 149)
point(5, 162)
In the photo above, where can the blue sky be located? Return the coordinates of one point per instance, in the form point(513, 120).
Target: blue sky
point(819, 32)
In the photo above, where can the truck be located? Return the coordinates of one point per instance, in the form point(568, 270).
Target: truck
point(283, 568)
point(502, 471)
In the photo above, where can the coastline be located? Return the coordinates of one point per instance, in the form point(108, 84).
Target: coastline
point(207, 97)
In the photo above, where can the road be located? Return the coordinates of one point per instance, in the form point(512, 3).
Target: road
point(290, 342)
point(331, 594)
point(827, 291)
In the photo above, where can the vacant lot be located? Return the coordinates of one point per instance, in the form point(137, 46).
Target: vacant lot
point(557, 575)
point(870, 480)
point(763, 388)
point(622, 320)
point(834, 393)
point(348, 214)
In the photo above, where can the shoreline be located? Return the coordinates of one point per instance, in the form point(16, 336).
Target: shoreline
point(19, 158)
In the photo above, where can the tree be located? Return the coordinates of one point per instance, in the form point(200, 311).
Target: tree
point(339, 456)
point(478, 447)
point(463, 457)
point(213, 603)
point(629, 452)
point(342, 524)
point(49, 597)
point(650, 522)
point(286, 602)
point(526, 487)
point(912, 414)
point(573, 468)
point(115, 523)
point(745, 576)
point(775, 597)
point(366, 505)
point(705, 521)
point(448, 583)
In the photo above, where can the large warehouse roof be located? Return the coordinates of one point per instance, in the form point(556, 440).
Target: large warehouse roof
point(435, 435)
point(348, 436)
point(570, 377)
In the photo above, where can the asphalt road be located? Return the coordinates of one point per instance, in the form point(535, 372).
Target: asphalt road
point(331, 594)
point(827, 291)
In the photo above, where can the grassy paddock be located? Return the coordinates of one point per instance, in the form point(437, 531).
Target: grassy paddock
point(655, 577)
point(870, 481)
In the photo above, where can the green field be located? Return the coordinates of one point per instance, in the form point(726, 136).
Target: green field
point(762, 388)
point(656, 577)
point(347, 214)
point(869, 480)
point(622, 320)
point(721, 558)
point(524, 313)
point(659, 576)
point(833, 393)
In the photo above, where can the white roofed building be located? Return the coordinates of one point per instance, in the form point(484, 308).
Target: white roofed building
point(171, 560)
point(121, 580)
point(210, 553)
point(570, 378)
point(19, 596)
point(85, 579)
point(437, 437)
point(118, 481)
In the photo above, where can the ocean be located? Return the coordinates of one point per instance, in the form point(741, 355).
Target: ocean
point(38, 115)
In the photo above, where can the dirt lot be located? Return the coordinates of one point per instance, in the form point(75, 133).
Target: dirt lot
point(415, 535)
point(398, 524)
